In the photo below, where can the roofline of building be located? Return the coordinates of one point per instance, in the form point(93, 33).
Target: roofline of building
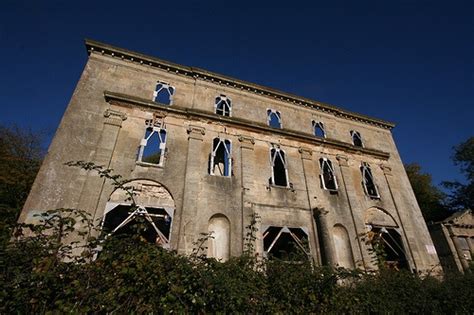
point(139, 58)
point(124, 99)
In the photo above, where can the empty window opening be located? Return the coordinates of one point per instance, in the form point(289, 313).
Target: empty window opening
point(368, 181)
point(279, 167)
point(328, 177)
point(163, 93)
point(391, 250)
point(153, 224)
point(356, 139)
point(153, 145)
point(274, 118)
point(223, 105)
point(220, 161)
point(318, 129)
point(285, 243)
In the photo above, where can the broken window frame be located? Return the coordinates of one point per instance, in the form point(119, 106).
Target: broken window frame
point(273, 156)
point(156, 126)
point(227, 144)
point(326, 162)
point(277, 114)
point(357, 139)
point(285, 229)
point(161, 238)
point(162, 87)
point(396, 248)
point(367, 178)
point(226, 104)
point(318, 125)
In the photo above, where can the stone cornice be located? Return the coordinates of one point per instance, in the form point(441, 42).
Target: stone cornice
point(197, 73)
point(128, 100)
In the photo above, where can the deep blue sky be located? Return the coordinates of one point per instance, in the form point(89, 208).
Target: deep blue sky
point(410, 62)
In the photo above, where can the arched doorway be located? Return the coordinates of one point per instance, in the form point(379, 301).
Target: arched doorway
point(384, 237)
point(154, 210)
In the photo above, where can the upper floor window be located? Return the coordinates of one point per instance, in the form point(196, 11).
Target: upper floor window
point(153, 145)
point(163, 93)
point(318, 129)
point(356, 139)
point(279, 168)
point(368, 181)
point(223, 105)
point(220, 162)
point(328, 177)
point(274, 118)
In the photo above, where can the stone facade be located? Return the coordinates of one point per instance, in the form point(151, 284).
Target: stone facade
point(266, 160)
point(454, 241)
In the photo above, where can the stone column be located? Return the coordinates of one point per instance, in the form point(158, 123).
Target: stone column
point(387, 171)
point(186, 234)
point(247, 183)
point(92, 189)
point(306, 160)
point(355, 212)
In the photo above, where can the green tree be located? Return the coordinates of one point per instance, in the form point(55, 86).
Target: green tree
point(20, 158)
point(430, 198)
point(462, 195)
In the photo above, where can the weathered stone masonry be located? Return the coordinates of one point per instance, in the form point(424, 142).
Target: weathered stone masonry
point(223, 150)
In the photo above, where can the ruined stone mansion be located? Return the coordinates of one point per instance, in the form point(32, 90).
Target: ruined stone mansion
point(204, 152)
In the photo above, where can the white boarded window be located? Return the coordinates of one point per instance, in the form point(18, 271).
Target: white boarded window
point(279, 167)
point(356, 139)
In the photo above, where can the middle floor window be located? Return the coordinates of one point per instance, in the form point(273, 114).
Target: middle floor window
point(327, 175)
point(279, 168)
point(368, 181)
point(220, 161)
point(153, 145)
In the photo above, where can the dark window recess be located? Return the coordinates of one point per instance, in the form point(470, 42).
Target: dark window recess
point(153, 224)
point(153, 145)
point(223, 105)
point(393, 250)
point(368, 181)
point(318, 129)
point(328, 179)
point(356, 139)
point(163, 93)
point(285, 243)
point(279, 168)
point(274, 118)
point(220, 162)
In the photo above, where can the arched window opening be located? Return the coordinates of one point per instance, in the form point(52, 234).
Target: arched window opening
point(368, 181)
point(318, 129)
point(356, 139)
point(388, 247)
point(219, 243)
point(279, 167)
point(285, 243)
point(328, 177)
point(153, 145)
point(153, 224)
point(223, 105)
point(274, 118)
point(163, 93)
point(220, 161)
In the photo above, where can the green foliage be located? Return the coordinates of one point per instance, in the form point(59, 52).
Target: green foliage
point(429, 197)
point(462, 195)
